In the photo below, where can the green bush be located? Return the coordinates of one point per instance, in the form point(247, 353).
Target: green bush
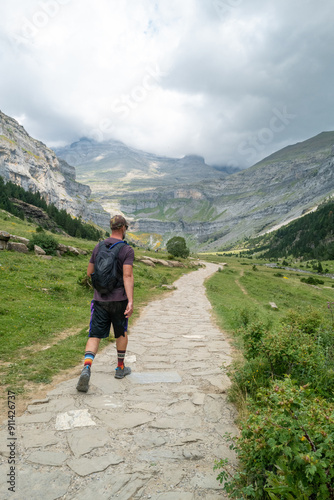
point(177, 247)
point(47, 242)
point(286, 446)
point(312, 281)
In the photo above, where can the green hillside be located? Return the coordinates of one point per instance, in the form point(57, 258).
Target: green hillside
point(310, 237)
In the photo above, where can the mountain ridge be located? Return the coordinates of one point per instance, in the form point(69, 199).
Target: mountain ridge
point(217, 211)
point(35, 167)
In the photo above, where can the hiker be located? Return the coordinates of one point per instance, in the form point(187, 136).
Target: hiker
point(113, 307)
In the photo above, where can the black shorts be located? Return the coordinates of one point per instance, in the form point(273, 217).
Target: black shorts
point(105, 314)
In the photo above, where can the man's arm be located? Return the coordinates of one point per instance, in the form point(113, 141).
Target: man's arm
point(128, 285)
point(90, 269)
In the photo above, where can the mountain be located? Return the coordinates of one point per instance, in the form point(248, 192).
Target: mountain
point(35, 167)
point(186, 196)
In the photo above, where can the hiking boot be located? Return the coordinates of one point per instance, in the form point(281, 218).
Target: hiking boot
point(122, 372)
point(83, 383)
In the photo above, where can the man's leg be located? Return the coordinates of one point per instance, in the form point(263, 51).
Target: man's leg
point(121, 345)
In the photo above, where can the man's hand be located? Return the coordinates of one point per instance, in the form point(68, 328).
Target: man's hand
point(129, 310)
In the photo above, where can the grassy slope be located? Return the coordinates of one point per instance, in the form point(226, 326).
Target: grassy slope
point(45, 313)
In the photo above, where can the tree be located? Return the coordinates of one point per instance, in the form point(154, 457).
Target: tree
point(177, 247)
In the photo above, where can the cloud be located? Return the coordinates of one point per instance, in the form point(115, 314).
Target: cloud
point(208, 77)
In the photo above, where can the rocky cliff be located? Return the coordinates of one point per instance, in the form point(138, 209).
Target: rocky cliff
point(32, 165)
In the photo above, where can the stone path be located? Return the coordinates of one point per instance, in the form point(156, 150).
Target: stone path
point(153, 435)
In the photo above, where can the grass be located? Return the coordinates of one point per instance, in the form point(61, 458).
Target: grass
point(45, 313)
point(239, 288)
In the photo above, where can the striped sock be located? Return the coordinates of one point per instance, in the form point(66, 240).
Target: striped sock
point(89, 357)
point(121, 356)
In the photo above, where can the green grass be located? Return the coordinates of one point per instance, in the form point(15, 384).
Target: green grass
point(45, 313)
point(224, 291)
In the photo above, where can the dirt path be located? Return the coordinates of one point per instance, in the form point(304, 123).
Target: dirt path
point(153, 435)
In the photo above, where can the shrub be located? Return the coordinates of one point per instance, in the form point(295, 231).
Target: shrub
point(286, 446)
point(177, 247)
point(311, 280)
point(45, 241)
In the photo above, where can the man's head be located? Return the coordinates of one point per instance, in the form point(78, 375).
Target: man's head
point(118, 225)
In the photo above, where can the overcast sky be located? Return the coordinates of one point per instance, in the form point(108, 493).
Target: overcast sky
point(230, 80)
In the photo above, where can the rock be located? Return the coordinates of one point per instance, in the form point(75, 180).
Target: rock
point(19, 239)
point(85, 466)
point(17, 247)
point(273, 305)
point(32, 165)
point(148, 262)
point(175, 263)
point(45, 257)
point(73, 250)
point(4, 237)
point(74, 418)
point(80, 441)
point(38, 250)
point(37, 485)
point(47, 458)
point(62, 248)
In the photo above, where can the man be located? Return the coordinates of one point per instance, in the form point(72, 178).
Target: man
point(113, 308)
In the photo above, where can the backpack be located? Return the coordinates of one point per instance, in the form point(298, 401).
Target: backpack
point(106, 277)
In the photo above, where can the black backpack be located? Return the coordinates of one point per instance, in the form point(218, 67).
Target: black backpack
point(106, 276)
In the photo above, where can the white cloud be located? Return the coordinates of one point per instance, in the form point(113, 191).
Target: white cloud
point(198, 76)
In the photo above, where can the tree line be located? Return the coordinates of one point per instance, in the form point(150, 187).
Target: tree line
point(310, 237)
point(72, 226)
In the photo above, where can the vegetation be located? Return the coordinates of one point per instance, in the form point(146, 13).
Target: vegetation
point(283, 385)
point(72, 226)
point(46, 241)
point(309, 237)
point(177, 247)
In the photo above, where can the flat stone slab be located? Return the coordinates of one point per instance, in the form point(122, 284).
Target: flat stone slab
point(37, 485)
point(102, 402)
point(149, 440)
point(80, 441)
point(104, 489)
point(155, 378)
point(72, 419)
point(194, 337)
point(86, 466)
point(177, 423)
point(173, 495)
point(47, 458)
point(37, 438)
point(35, 418)
point(124, 421)
point(161, 455)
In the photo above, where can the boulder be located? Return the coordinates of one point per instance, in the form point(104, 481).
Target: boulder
point(20, 239)
point(38, 250)
point(4, 237)
point(62, 248)
point(17, 247)
point(175, 263)
point(73, 250)
point(147, 262)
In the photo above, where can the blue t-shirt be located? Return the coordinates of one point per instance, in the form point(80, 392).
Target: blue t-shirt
point(125, 257)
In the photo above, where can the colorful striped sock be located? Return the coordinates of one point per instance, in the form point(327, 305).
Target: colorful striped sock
point(89, 357)
point(121, 356)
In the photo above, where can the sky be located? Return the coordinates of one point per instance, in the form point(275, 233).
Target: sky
point(230, 80)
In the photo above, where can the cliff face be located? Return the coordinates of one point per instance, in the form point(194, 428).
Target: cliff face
point(32, 165)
